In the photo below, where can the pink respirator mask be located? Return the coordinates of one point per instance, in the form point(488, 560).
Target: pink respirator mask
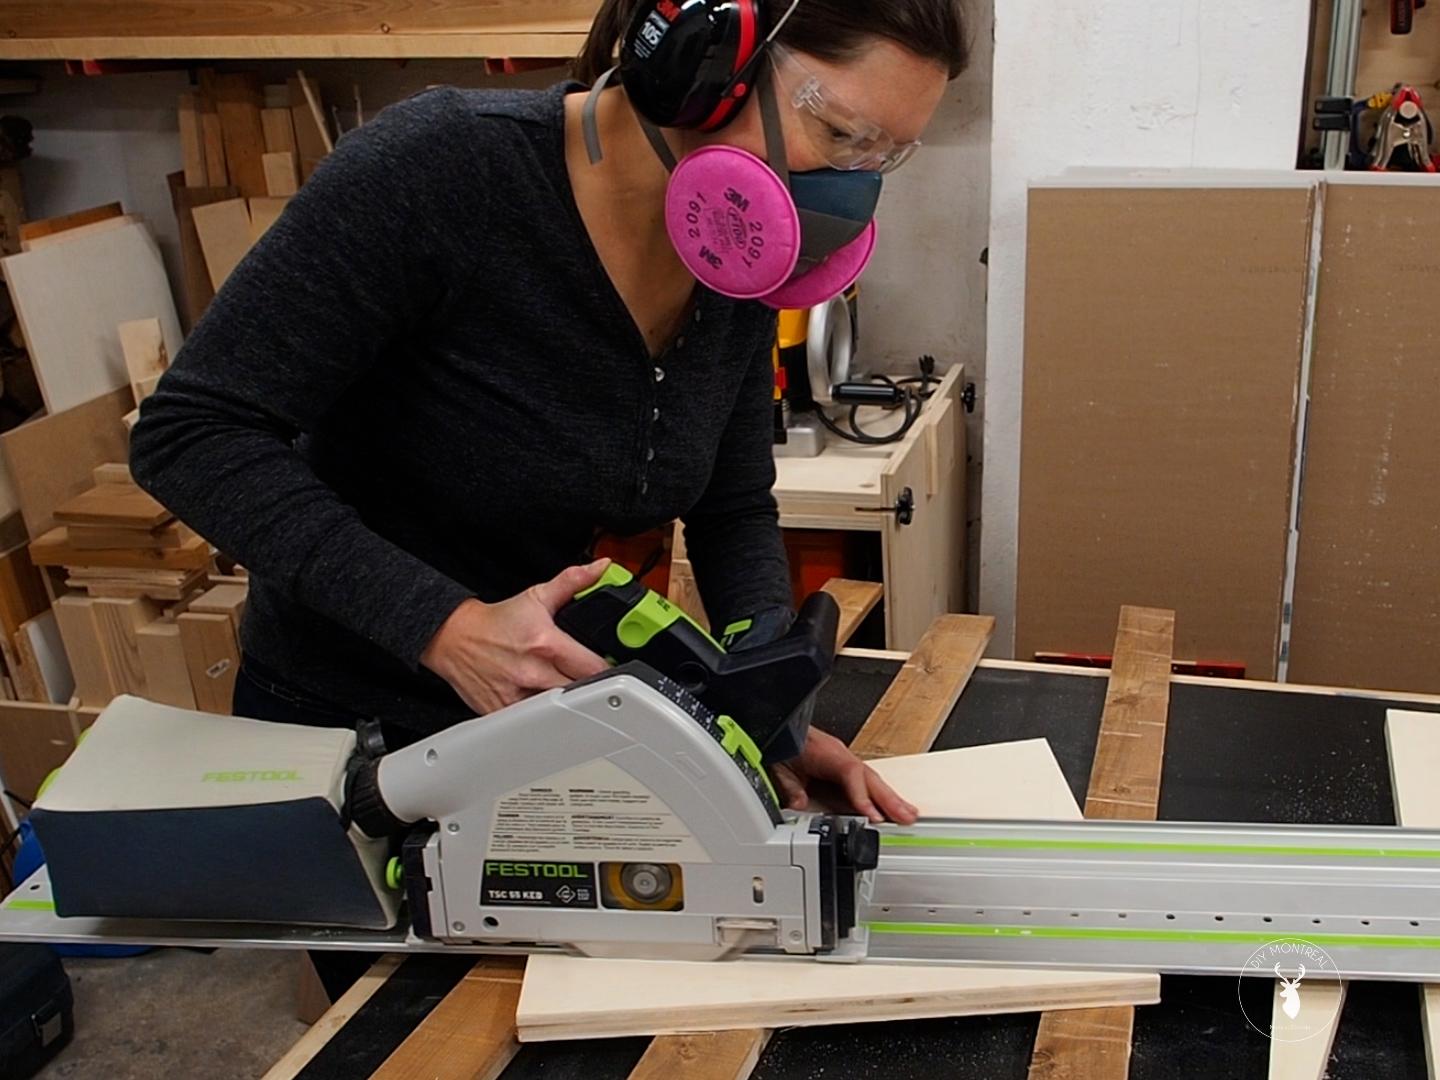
point(755, 231)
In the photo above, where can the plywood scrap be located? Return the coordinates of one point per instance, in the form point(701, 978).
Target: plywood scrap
point(146, 358)
point(263, 214)
point(103, 537)
point(192, 142)
point(51, 459)
point(227, 600)
point(80, 232)
point(212, 654)
point(224, 232)
point(1125, 785)
point(114, 505)
point(197, 290)
point(1300, 1045)
point(43, 652)
point(34, 741)
point(52, 549)
point(1413, 740)
point(34, 230)
point(22, 592)
point(112, 472)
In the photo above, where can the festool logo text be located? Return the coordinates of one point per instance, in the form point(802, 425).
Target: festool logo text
point(537, 869)
point(249, 777)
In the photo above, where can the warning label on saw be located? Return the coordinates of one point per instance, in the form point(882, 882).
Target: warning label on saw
point(538, 884)
point(596, 811)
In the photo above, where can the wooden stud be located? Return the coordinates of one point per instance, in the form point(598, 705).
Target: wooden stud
point(708, 1055)
point(120, 622)
point(470, 1035)
point(213, 656)
point(162, 656)
point(80, 632)
point(856, 599)
point(336, 1017)
point(927, 687)
point(1125, 785)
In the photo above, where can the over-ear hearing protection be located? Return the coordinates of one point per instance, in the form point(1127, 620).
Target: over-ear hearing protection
point(692, 63)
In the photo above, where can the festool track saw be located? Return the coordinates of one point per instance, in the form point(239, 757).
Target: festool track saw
point(627, 815)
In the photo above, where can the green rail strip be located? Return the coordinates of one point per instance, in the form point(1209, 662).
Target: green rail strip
point(30, 905)
point(1202, 937)
point(985, 843)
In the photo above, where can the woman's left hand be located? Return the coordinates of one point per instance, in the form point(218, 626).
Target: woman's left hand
point(826, 758)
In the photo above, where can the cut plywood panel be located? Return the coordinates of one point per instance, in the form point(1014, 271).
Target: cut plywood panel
point(35, 230)
point(114, 504)
point(81, 231)
point(143, 343)
point(1413, 740)
point(1163, 347)
point(224, 231)
point(70, 298)
point(1300, 1045)
point(281, 176)
point(1367, 580)
point(51, 459)
point(263, 214)
point(568, 997)
point(34, 741)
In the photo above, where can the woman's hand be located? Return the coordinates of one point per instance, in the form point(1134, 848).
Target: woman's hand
point(497, 654)
point(826, 758)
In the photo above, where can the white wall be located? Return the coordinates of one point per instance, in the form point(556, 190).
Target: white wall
point(1211, 83)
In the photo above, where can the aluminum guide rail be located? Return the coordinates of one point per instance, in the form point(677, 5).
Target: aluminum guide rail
point(1167, 896)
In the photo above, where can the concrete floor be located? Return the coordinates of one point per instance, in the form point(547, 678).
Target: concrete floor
point(177, 1013)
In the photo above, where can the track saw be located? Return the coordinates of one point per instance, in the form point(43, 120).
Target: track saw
point(633, 814)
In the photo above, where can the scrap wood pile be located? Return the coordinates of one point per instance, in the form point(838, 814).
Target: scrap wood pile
point(247, 148)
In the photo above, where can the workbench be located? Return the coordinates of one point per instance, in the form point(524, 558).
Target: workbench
point(1235, 752)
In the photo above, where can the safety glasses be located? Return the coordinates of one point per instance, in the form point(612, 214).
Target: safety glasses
point(845, 138)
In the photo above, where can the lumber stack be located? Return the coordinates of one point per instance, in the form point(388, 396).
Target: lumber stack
point(247, 148)
point(145, 613)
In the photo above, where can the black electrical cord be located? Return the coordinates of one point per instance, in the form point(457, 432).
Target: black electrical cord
point(917, 389)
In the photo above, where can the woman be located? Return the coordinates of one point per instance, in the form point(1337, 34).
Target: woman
point(476, 338)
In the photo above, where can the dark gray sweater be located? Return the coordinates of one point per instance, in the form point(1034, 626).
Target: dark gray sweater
point(421, 386)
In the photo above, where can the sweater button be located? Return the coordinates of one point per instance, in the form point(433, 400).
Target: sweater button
point(659, 374)
point(644, 486)
point(650, 454)
point(654, 415)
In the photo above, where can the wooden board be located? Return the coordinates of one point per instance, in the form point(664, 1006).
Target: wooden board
point(79, 630)
point(120, 622)
point(34, 741)
point(856, 599)
point(703, 1055)
point(1366, 579)
point(928, 686)
point(74, 345)
point(162, 656)
point(51, 459)
point(213, 656)
point(43, 652)
point(224, 231)
point(114, 504)
point(281, 174)
point(1413, 740)
point(238, 101)
point(227, 600)
point(1158, 438)
point(52, 550)
point(1300, 1047)
point(1124, 784)
point(312, 140)
point(81, 231)
point(192, 142)
point(264, 44)
point(279, 127)
point(470, 1035)
point(34, 230)
point(106, 537)
point(212, 141)
point(112, 472)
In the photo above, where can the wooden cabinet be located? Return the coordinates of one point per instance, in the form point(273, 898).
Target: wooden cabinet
point(869, 488)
